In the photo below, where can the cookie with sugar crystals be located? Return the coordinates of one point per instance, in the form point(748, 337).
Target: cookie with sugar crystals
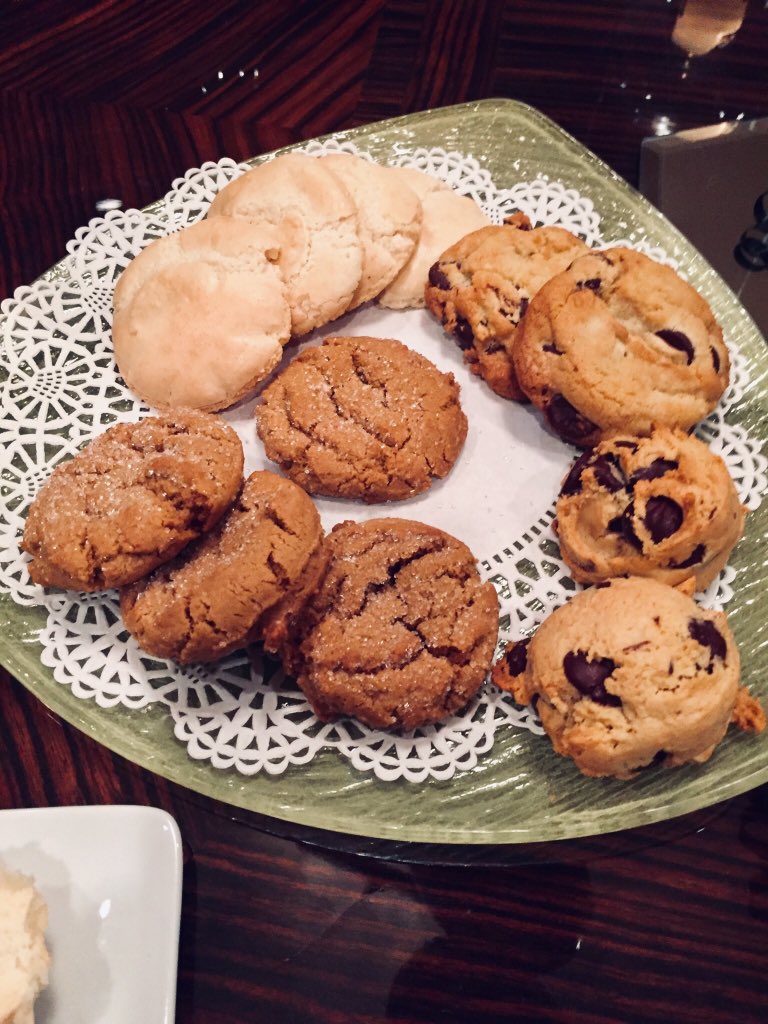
point(131, 500)
point(211, 599)
point(663, 506)
point(200, 317)
point(312, 219)
point(480, 288)
point(397, 630)
point(619, 343)
point(389, 220)
point(360, 417)
point(629, 674)
point(446, 217)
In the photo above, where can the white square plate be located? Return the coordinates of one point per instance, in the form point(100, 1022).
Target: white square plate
point(111, 877)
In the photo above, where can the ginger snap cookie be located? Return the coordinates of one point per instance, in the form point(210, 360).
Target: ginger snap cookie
point(312, 220)
point(398, 630)
point(663, 506)
point(209, 601)
point(619, 342)
point(446, 217)
point(479, 290)
point(360, 417)
point(131, 500)
point(389, 220)
point(631, 673)
point(200, 317)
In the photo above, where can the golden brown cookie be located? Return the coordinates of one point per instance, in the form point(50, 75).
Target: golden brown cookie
point(131, 500)
point(398, 631)
point(480, 288)
point(201, 316)
point(388, 220)
point(662, 506)
point(619, 342)
point(313, 223)
point(210, 600)
point(628, 674)
point(362, 418)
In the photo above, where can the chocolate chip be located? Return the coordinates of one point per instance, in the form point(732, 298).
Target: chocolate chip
point(704, 632)
point(516, 657)
point(593, 284)
point(679, 341)
point(492, 346)
point(624, 526)
point(437, 278)
point(715, 358)
point(463, 332)
point(663, 517)
point(567, 421)
point(572, 483)
point(602, 585)
point(523, 307)
point(695, 557)
point(656, 760)
point(626, 444)
point(656, 469)
point(608, 473)
point(589, 677)
point(552, 347)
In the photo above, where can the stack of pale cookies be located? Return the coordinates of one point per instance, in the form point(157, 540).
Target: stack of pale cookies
point(201, 316)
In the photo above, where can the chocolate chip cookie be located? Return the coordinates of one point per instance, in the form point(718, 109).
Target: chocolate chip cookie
point(210, 599)
point(479, 289)
point(631, 673)
point(397, 630)
point(662, 506)
point(619, 342)
point(362, 418)
point(131, 500)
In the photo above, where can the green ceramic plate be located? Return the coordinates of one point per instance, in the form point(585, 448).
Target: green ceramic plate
point(521, 791)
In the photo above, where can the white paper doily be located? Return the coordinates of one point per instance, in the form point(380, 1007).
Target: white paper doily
point(61, 389)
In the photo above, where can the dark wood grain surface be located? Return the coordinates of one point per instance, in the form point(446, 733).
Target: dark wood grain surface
point(104, 100)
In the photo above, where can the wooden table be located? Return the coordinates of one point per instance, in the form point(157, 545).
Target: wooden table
point(280, 924)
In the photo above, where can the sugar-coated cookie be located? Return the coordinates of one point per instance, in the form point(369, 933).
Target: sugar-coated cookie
point(480, 288)
point(446, 217)
point(662, 506)
point(200, 317)
point(619, 342)
point(631, 673)
point(211, 598)
point(131, 500)
point(313, 223)
point(397, 630)
point(360, 417)
point(388, 220)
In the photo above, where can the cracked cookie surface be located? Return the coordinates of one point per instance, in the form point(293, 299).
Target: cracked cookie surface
point(200, 316)
point(362, 418)
point(388, 220)
point(480, 288)
point(397, 630)
point(619, 342)
point(131, 500)
point(211, 599)
point(629, 674)
point(312, 220)
point(662, 506)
